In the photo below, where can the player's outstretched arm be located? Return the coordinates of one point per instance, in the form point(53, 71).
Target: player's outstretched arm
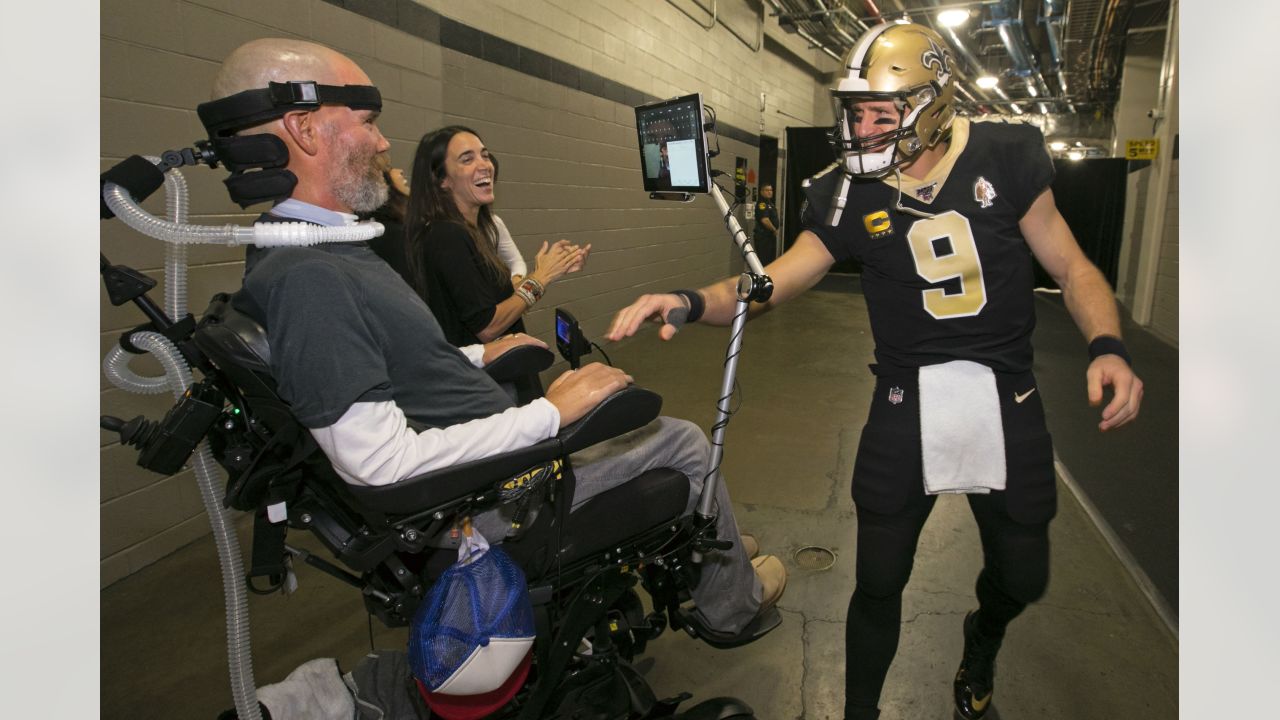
point(797, 270)
point(1092, 305)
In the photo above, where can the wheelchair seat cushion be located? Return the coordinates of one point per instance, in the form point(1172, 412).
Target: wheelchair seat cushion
point(655, 497)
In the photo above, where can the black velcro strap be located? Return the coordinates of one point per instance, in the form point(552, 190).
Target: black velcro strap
point(268, 549)
point(248, 108)
point(136, 174)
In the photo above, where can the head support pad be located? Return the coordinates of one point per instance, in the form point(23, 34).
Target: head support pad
point(257, 162)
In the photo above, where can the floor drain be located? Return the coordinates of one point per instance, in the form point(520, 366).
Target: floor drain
point(813, 558)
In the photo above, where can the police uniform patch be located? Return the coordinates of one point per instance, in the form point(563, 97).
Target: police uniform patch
point(878, 224)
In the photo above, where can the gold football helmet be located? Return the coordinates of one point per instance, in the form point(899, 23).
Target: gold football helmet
point(909, 65)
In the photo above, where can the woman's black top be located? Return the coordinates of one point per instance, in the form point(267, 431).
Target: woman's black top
point(463, 290)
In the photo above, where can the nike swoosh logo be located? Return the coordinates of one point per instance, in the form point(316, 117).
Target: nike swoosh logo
point(980, 705)
point(1018, 398)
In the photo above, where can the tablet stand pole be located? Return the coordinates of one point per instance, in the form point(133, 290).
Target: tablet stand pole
point(753, 286)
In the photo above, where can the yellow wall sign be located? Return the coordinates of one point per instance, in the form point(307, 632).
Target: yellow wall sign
point(1142, 149)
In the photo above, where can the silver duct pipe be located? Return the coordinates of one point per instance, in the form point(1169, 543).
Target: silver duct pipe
point(1006, 18)
point(1053, 15)
point(972, 61)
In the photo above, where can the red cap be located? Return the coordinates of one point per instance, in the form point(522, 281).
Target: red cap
point(475, 707)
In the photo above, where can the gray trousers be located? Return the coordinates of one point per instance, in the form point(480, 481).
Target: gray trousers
point(728, 593)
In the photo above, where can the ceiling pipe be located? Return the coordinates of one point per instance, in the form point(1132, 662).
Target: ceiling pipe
point(787, 21)
point(1006, 18)
point(963, 51)
point(1053, 16)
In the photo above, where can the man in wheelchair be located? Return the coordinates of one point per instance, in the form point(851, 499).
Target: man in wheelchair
point(364, 367)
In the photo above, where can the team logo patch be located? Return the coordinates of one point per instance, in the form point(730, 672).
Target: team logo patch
point(895, 396)
point(878, 224)
point(925, 194)
point(984, 192)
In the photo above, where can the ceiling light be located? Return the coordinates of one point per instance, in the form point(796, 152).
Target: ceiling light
point(1031, 90)
point(953, 17)
point(1057, 146)
point(1075, 155)
point(986, 82)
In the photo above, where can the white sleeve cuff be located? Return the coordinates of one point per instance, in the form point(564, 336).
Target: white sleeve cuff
point(474, 353)
point(372, 444)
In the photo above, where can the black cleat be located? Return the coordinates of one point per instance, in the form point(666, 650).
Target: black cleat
point(975, 680)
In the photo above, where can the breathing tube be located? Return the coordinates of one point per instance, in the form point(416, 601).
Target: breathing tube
point(239, 655)
point(261, 234)
point(177, 234)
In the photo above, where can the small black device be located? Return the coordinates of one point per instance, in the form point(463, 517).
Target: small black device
point(673, 147)
point(570, 341)
point(165, 446)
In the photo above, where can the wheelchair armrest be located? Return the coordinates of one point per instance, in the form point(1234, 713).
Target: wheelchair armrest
point(626, 410)
point(519, 362)
point(630, 408)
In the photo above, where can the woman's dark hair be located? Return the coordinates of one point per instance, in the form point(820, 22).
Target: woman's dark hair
point(430, 203)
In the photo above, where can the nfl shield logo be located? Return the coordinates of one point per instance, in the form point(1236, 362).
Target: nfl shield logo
point(926, 193)
point(895, 395)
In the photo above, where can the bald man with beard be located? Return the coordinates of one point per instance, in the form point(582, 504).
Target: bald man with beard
point(365, 366)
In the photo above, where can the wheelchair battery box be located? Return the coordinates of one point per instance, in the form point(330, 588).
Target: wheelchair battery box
point(175, 437)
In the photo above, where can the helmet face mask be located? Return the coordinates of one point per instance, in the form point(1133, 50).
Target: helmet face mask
point(908, 65)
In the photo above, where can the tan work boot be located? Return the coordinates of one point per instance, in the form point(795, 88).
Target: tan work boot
point(773, 580)
point(750, 546)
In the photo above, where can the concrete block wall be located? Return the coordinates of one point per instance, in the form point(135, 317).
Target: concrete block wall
point(548, 84)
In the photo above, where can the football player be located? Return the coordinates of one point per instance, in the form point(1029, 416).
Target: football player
point(945, 216)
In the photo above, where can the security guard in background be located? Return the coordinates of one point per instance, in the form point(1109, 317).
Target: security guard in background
point(765, 235)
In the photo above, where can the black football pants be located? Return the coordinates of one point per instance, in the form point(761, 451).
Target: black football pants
point(892, 508)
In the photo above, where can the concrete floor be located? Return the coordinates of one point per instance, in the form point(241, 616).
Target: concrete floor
point(1092, 648)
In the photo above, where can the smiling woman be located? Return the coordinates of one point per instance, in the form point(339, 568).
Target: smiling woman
point(452, 236)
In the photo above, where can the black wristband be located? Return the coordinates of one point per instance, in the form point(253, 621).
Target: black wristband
point(696, 305)
point(1108, 345)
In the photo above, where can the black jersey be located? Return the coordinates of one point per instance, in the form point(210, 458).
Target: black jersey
point(957, 286)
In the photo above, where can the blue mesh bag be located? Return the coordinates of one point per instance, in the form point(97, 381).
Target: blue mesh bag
point(472, 635)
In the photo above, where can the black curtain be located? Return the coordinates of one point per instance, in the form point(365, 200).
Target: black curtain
point(1090, 194)
point(768, 165)
point(808, 151)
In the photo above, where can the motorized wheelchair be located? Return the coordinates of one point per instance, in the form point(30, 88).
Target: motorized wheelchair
point(582, 567)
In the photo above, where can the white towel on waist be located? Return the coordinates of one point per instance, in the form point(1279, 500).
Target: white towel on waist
point(961, 433)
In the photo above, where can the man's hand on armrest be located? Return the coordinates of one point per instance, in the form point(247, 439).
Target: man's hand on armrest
point(495, 348)
point(576, 392)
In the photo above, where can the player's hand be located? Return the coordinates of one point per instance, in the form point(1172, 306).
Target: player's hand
point(1114, 371)
point(576, 392)
point(646, 307)
point(495, 349)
